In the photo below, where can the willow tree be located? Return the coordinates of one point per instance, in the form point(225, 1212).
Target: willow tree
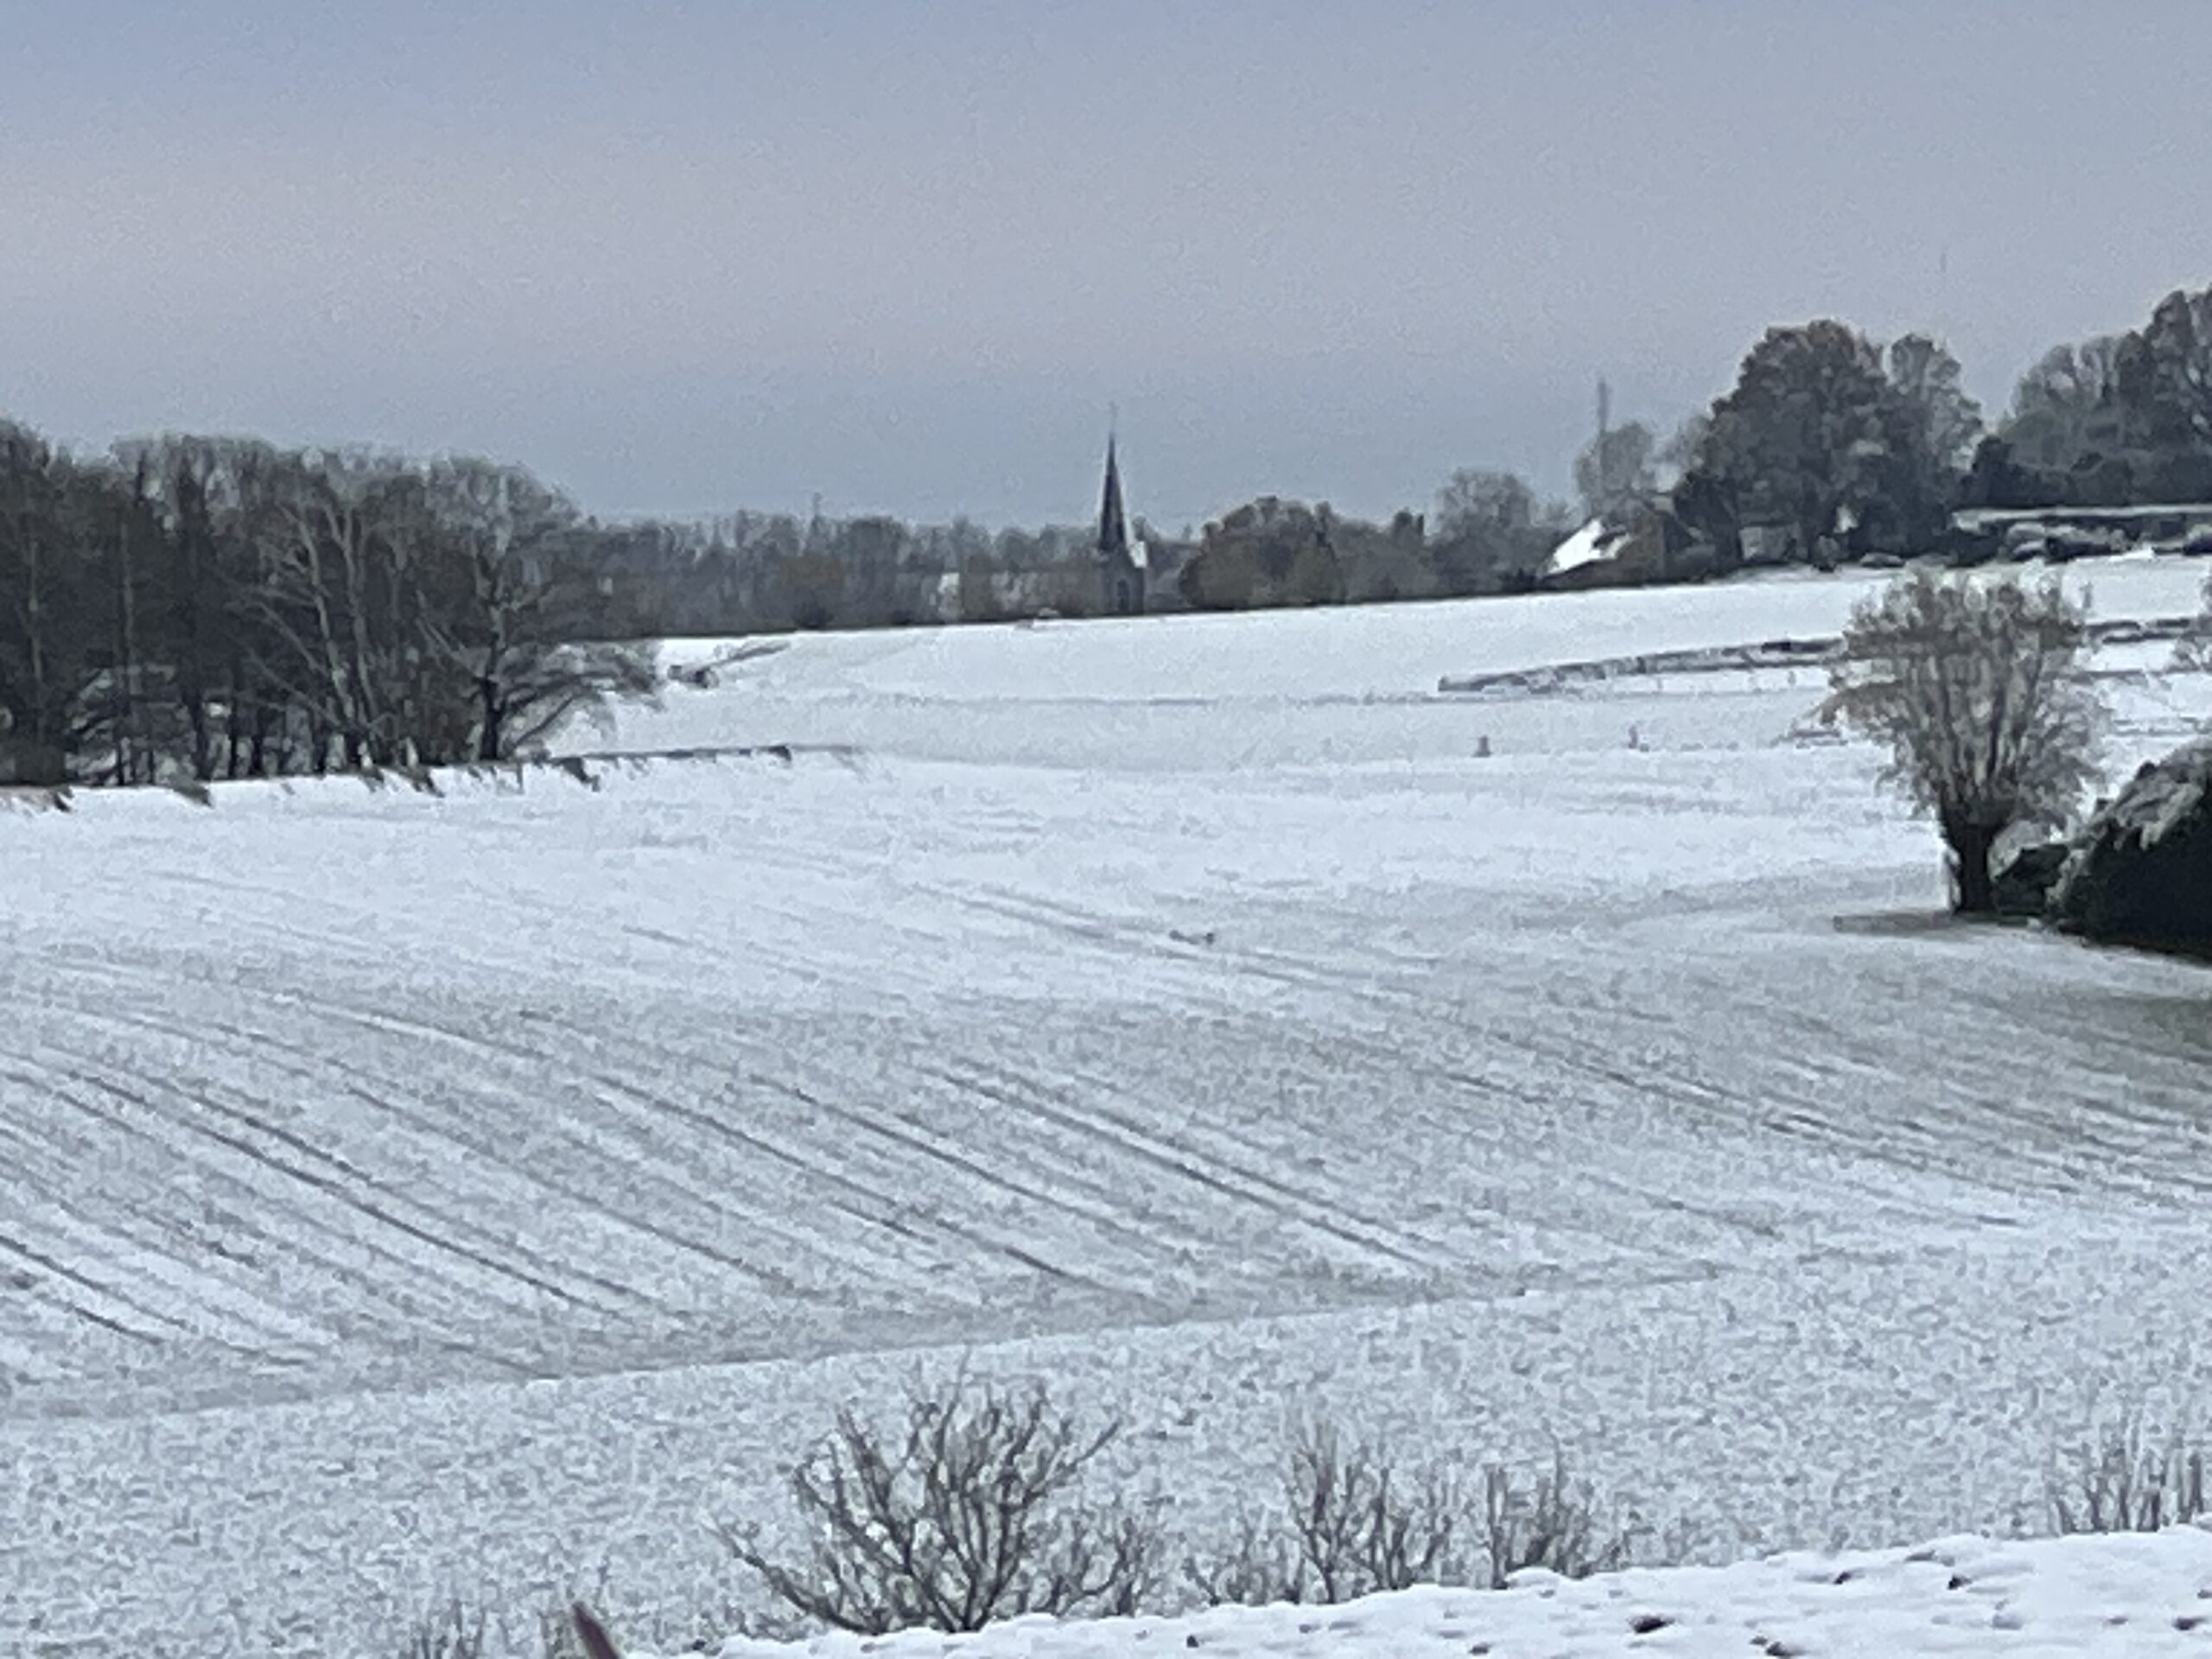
point(1976, 685)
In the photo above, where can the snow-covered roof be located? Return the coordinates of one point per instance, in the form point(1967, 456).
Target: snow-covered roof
point(1594, 543)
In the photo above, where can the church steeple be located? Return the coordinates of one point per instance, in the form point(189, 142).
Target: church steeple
point(1121, 565)
point(1113, 522)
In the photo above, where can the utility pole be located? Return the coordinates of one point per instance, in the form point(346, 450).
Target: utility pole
point(1604, 427)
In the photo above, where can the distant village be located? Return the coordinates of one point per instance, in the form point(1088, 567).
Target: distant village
point(1829, 448)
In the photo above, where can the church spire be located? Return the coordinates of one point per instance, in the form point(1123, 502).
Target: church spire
point(1113, 522)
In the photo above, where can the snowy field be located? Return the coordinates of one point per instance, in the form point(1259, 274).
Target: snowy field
point(403, 1195)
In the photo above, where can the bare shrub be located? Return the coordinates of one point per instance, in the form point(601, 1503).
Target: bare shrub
point(455, 1631)
point(969, 1516)
point(1554, 1525)
point(1260, 1568)
point(1975, 684)
point(2126, 1483)
point(1353, 1524)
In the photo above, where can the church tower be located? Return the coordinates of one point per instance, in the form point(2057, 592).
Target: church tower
point(1121, 565)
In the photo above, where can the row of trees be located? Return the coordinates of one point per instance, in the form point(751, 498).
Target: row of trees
point(188, 608)
point(1842, 446)
point(2113, 422)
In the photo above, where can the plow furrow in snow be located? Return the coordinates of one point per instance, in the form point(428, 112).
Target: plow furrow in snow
point(1210, 1170)
point(424, 1288)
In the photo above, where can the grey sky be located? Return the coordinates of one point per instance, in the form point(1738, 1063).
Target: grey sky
point(688, 257)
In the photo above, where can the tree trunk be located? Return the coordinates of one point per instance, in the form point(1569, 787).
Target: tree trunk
point(1973, 892)
point(490, 734)
point(258, 750)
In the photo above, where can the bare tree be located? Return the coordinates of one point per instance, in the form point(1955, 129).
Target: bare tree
point(518, 620)
point(1976, 686)
point(317, 522)
point(968, 1518)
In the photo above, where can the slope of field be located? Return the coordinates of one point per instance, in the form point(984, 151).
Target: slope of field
point(402, 1193)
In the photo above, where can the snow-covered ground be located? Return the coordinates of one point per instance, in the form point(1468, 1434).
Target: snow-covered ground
point(404, 1194)
point(2125, 1598)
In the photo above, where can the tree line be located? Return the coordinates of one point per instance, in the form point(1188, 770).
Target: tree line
point(1841, 447)
point(191, 609)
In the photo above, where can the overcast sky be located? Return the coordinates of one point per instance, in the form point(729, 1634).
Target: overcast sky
point(907, 255)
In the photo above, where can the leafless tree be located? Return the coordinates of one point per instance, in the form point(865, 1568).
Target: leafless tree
point(519, 613)
point(968, 1516)
point(1976, 685)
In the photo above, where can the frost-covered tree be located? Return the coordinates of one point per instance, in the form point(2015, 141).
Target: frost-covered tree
point(1976, 686)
